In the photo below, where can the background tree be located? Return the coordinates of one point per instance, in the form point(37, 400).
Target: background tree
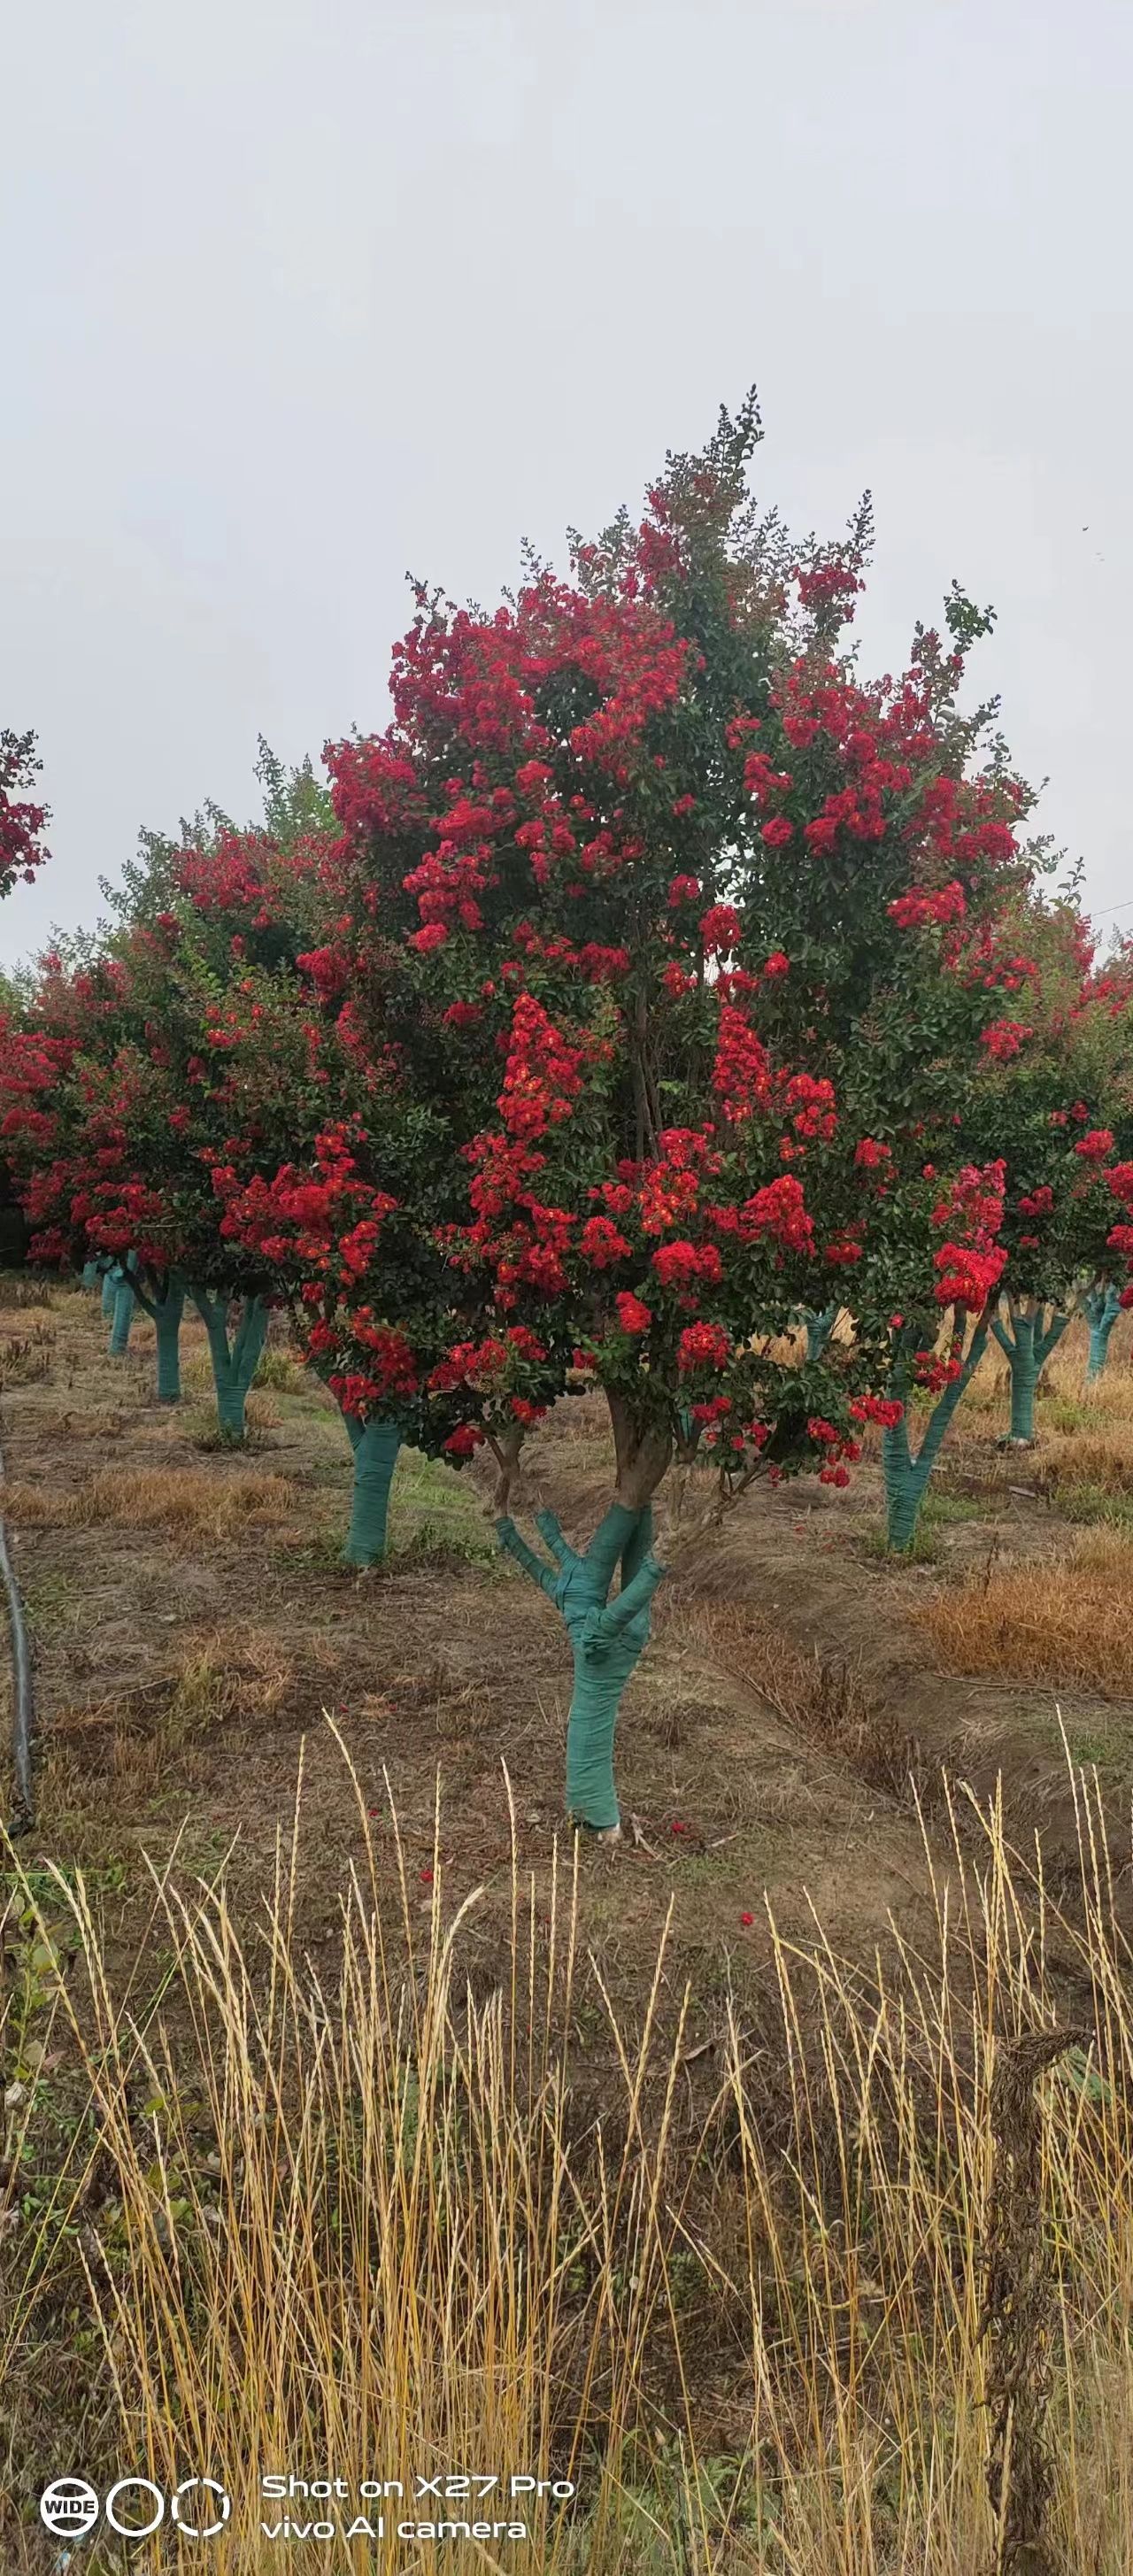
point(127, 1092)
point(22, 819)
point(1057, 1098)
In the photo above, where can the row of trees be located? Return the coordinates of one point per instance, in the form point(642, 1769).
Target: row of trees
point(649, 982)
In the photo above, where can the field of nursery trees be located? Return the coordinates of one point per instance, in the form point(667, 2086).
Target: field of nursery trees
point(566, 1407)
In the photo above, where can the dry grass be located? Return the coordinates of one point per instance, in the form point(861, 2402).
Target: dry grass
point(352, 2225)
point(823, 1697)
point(27, 1355)
point(1102, 1458)
point(162, 1501)
point(1065, 1623)
point(129, 1737)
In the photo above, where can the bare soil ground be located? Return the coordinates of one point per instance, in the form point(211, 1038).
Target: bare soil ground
point(192, 1625)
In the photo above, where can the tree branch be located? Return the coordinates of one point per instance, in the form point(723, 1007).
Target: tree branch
point(549, 1528)
point(635, 1597)
point(517, 1547)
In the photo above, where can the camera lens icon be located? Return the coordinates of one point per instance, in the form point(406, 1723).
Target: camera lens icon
point(69, 2508)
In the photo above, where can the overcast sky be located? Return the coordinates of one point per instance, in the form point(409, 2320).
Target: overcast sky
point(301, 294)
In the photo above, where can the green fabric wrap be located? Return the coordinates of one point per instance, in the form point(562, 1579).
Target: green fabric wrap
point(906, 1477)
point(818, 1329)
point(375, 1446)
point(91, 1274)
point(1101, 1307)
point(109, 1292)
point(607, 1638)
point(1024, 1380)
point(167, 1324)
point(123, 1317)
point(234, 1364)
point(1028, 1345)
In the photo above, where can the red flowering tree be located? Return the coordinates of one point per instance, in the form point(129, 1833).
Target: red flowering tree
point(348, 1238)
point(1060, 1107)
point(22, 854)
point(704, 933)
point(165, 1083)
point(22, 819)
point(1037, 1216)
point(144, 1067)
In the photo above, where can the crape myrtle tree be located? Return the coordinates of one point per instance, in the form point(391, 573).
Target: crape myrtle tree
point(22, 818)
point(935, 1360)
point(1110, 990)
point(346, 1231)
point(77, 1078)
point(1041, 1204)
point(22, 854)
point(694, 916)
point(157, 1094)
point(202, 1043)
point(1059, 1102)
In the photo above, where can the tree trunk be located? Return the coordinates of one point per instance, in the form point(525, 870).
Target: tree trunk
point(1024, 1379)
point(906, 1477)
point(819, 1329)
point(1028, 1346)
point(1101, 1308)
point(167, 1324)
point(109, 1292)
point(608, 1639)
point(375, 1446)
point(233, 1365)
point(904, 1491)
point(123, 1317)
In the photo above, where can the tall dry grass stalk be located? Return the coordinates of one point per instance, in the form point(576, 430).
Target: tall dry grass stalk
point(361, 2221)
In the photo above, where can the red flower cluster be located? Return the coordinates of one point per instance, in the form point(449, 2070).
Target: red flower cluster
point(702, 1346)
point(886, 1410)
point(811, 1106)
point(971, 1263)
point(778, 1210)
point(600, 1243)
point(721, 929)
point(1004, 1038)
point(633, 1316)
point(913, 911)
point(544, 1072)
point(870, 1156)
point(679, 1265)
point(741, 1075)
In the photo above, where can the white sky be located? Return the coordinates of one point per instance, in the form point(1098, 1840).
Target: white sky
point(301, 294)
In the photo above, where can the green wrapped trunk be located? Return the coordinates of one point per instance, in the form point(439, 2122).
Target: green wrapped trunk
point(375, 1446)
point(608, 1639)
point(91, 1274)
point(1101, 1307)
point(123, 1317)
point(109, 1291)
point(1028, 1344)
point(906, 1476)
point(234, 1363)
point(1024, 1380)
point(904, 1494)
point(167, 1324)
point(818, 1328)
